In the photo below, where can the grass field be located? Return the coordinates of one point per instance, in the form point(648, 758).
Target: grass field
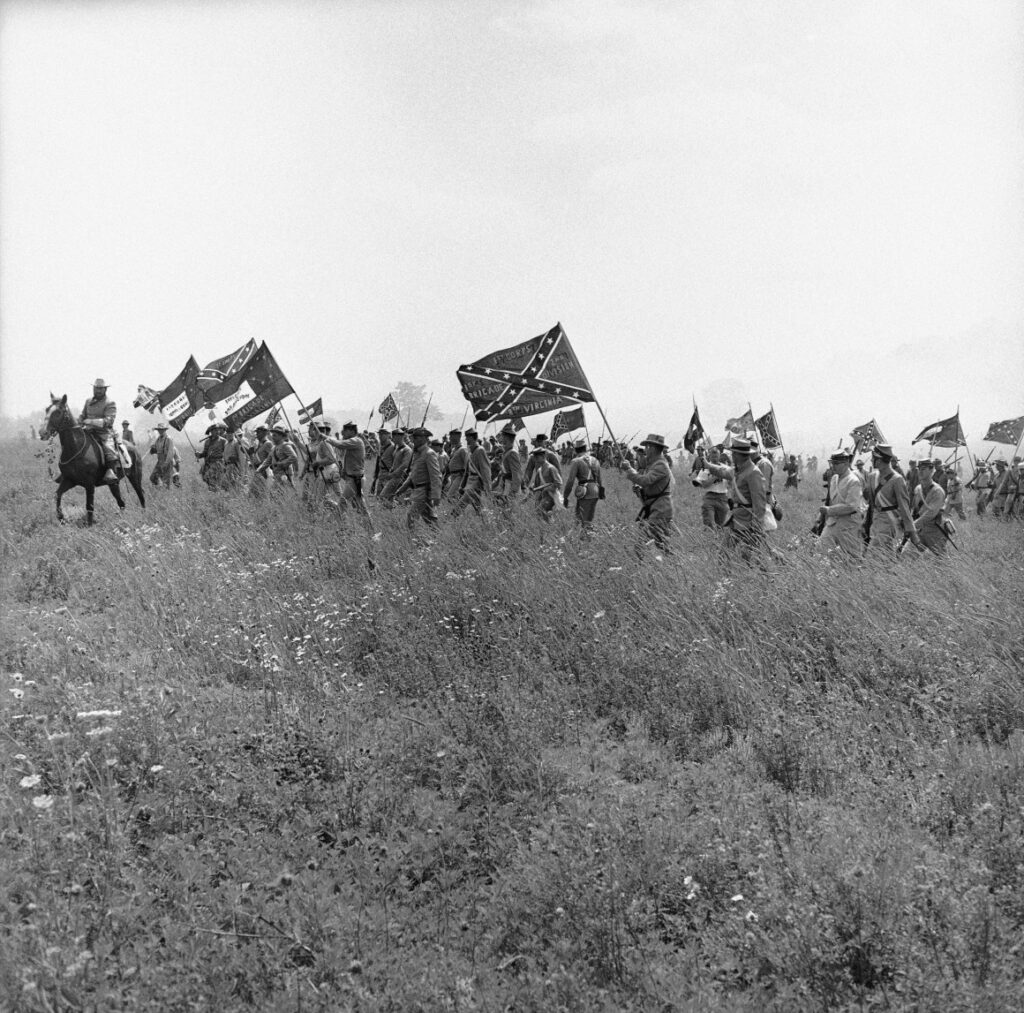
point(499, 769)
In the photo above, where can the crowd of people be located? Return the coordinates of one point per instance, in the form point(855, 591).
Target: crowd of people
point(871, 505)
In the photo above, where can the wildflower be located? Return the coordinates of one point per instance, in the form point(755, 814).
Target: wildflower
point(57, 736)
point(16, 693)
point(83, 715)
point(30, 781)
point(750, 916)
point(599, 615)
point(20, 756)
point(17, 676)
point(43, 802)
point(97, 732)
point(736, 898)
point(156, 768)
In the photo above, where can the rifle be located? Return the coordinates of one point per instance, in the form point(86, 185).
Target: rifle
point(427, 410)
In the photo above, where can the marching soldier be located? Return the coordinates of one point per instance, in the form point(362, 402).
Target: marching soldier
point(744, 528)
point(540, 442)
point(212, 456)
point(385, 457)
point(477, 481)
point(163, 448)
point(232, 459)
point(127, 436)
point(715, 479)
point(544, 482)
point(283, 459)
point(352, 466)
point(845, 511)
point(322, 476)
point(455, 471)
point(97, 418)
point(981, 483)
point(399, 467)
point(437, 446)
point(509, 482)
point(423, 478)
point(955, 494)
point(583, 476)
point(889, 516)
point(655, 483)
point(928, 501)
point(261, 459)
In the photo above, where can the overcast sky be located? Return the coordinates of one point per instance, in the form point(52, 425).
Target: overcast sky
point(814, 204)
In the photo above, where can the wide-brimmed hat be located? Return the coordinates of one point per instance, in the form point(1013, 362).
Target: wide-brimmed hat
point(280, 429)
point(125, 423)
point(842, 454)
point(473, 433)
point(580, 445)
point(654, 440)
point(508, 430)
point(162, 425)
point(883, 450)
point(350, 425)
point(539, 450)
point(323, 425)
point(541, 438)
point(741, 446)
point(100, 383)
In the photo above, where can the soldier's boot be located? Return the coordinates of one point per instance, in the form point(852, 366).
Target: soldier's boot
point(110, 476)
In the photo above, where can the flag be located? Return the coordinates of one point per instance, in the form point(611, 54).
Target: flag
point(566, 422)
point(518, 424)
point(694, 431)
point(529, 378)
point(944, 433)
point(768, 428)
point(741, 425)
point(1009, 431)
point(182, 397)
point(259, 386)
point(216, 372)
point(307, 415)
point(388, 409)
point(867, 436)
point(272, 416)
point(147, 398)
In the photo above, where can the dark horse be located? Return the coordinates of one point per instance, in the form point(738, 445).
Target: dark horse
point(81, 458)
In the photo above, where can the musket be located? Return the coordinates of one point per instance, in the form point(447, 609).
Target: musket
point(427, 410)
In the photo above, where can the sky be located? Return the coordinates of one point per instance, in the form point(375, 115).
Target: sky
point(813, 205)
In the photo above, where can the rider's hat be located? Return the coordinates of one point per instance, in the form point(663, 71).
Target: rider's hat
point(99, 382)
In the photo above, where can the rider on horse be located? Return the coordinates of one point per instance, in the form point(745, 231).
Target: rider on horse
point(97, 418)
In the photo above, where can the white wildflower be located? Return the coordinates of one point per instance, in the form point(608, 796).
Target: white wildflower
point(736, 898)
point(29, 781)
point(95, 733)
point(17, 677)
point(16, 693)
point(156, 768)
point(85, 715)
point(43, 802)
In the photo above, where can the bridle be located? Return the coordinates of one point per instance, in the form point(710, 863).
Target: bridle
point(67, 422)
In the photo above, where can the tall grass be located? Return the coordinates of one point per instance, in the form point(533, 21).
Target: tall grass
point(494, 766)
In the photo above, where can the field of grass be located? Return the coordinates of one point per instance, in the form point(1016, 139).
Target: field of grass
point(254, 759)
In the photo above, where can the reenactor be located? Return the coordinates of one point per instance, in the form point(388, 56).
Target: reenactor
point(283, 460)
point(1000, 488)
point(744, 528)
point(844, 514)
point(385, 458)
point(163, 448)
point(212, 456)
point(955, 494)
point(97, 418)
point(792, 470)
point(927, 504)
point(583, 477)
point(981, 483)
point(352, 467)
point(540, 442)
point(127, 436)
point(260, 457)
point(477, 481)
point(510, 469)
point(400, 461)
point(715, 478)
point(912, 477)
point(889, 520)
point(322, 477)
point(232, 459)
point(545, 481)
point(423, 478)
point(455, 471)
point(655, 484)
point(941, 478)
point(437, 446)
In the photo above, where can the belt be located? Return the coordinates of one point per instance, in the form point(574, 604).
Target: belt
point(419, 485)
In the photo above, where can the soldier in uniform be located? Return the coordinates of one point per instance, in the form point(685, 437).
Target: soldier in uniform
point(212, 456)
point(163, 448)
point(322, 478)
point(395, 478)
point(655, 483)
point(1000, 486)
point(455, 471)
point(955, 494)
point(545, 481)
point(744, 529)
point(583, 476)
point(792, 470)
point(540, 442)
point(437, 446)
point(352, 465)
point(844, 514)
point(888, 500)
point(927, 504)
point(715, 478)
point(423, 478)
point(385, 456)
point(261, 460)
point(97, 419)
point(232, 459)
point(981, 483)
point(283, 460)
point(477, 481)
point(509, 482)
point(127, 436)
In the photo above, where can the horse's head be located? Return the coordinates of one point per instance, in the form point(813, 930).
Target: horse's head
point(56, 417)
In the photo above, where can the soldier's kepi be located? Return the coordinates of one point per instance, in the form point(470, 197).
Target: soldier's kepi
point(97, 418)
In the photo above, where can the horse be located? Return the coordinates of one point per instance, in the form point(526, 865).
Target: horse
point(81, 459)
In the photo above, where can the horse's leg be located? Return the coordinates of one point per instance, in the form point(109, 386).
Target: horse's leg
point(90, 494)
point(61, 489)
point(135, 477)
point(115, 488)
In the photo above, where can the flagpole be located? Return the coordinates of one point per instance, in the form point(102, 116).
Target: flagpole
point(464, 414)
point(615, 442)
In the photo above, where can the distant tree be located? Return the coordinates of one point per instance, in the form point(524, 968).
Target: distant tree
point(412, 399)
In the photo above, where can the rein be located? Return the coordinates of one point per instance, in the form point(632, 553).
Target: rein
point(65, 415)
